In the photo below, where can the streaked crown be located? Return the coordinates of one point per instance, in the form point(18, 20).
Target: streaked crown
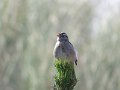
point(62, 36)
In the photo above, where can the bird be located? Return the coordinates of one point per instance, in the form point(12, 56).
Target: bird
point(64, 50)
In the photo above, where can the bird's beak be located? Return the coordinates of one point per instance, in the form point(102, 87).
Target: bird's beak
point(58, 34)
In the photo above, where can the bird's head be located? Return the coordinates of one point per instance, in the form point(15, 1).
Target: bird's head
point(62, 37)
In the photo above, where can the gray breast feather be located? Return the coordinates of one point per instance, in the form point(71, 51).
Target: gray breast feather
point(65, 50)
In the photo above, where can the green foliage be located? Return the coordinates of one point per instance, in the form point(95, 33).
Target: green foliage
point(65, 78)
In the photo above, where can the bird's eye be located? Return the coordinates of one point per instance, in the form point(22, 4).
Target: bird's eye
point(63, 36)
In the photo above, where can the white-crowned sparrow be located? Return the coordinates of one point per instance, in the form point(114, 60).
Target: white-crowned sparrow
point(64, 49)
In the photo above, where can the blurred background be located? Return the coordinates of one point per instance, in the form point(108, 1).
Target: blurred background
point(28, 31)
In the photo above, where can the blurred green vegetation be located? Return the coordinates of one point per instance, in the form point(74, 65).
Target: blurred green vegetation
point(28, 31)
point(65, 78)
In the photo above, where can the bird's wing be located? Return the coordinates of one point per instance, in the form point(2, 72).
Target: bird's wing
point(76, 54)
